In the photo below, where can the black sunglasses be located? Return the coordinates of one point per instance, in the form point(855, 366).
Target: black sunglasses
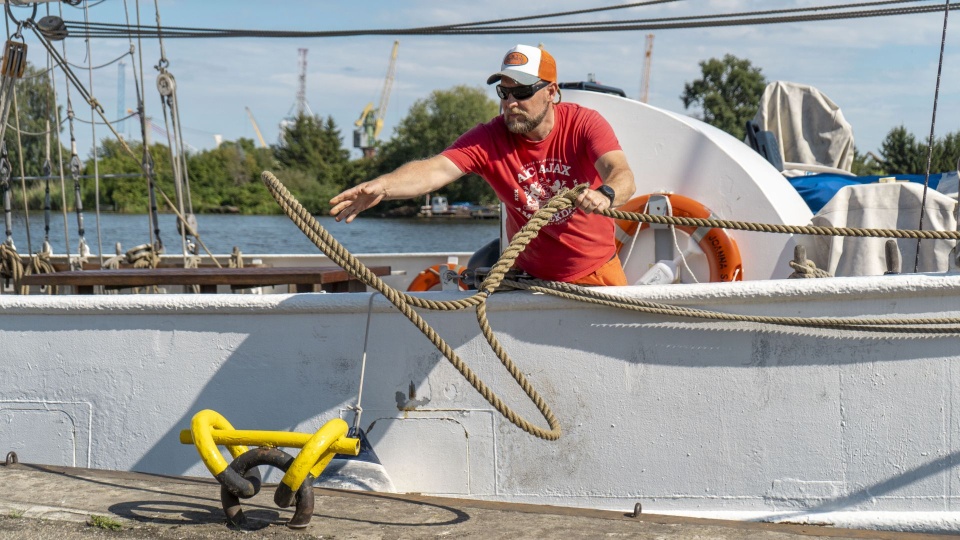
point(521, 93)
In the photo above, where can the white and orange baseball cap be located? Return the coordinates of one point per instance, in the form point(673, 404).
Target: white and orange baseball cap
point(526, 65)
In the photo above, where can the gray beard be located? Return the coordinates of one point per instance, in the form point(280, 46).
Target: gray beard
point(526, 126)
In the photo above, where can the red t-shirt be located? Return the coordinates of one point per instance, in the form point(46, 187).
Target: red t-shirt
point(525, 174)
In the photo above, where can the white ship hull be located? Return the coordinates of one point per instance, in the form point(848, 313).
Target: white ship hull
point(702, 419)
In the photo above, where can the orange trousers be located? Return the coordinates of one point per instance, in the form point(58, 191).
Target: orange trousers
point(610, 274)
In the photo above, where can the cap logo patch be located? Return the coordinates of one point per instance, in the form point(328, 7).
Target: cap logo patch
point(515, 59)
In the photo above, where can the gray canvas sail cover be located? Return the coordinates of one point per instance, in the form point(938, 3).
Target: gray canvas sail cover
point(895, 205)
point(809, 126)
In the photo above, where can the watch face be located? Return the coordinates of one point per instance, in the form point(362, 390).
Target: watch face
point(608, 192)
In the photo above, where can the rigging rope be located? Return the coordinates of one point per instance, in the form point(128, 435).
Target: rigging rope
point(6, 193)
point(560, 14)
point(27, 133)
point(23, 184)
point(933, 122)
point(63, 181)
point(167, 86)
point(116, 121)
point(720, 15)
point(82, 249)
point(71, 79)
point(98, 109)
point(110, 63)
point(146, 162)
point(93, 136)
point(112, 30)
point(47, 171)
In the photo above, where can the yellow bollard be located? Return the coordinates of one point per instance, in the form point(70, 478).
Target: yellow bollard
point(316, 454)
point(274, 439)
point(208, 429)
point(311, 461)
point(242, 480)
point(201, 427)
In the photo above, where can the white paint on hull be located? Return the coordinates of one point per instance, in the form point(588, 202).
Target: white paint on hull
point(685, 417)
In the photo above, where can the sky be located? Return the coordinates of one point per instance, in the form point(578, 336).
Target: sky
point(882, 72)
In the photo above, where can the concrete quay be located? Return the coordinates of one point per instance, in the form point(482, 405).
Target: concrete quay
point(42, 502)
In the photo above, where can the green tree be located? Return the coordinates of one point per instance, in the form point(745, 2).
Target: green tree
point(431, 125)
point(229, 177)
point(728, 94)
point(36, 112)
point(124, 194)
point(313, 163)
point(308, 143)
point(865, 164)
point(37, 116)
point(902, 153)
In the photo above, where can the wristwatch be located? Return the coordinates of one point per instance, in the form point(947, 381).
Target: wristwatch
point(607, 192)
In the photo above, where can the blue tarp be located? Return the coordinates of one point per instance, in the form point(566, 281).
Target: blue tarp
point(817, 189)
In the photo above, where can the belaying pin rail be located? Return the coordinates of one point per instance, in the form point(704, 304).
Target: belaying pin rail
point(241, 479)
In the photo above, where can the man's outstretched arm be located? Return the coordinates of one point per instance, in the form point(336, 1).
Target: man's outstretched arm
point(411, 180)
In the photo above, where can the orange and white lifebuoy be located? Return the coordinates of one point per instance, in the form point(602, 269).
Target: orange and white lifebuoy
point(723, 255)
point(429, 278)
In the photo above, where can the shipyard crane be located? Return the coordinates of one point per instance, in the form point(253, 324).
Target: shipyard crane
point(370, 123)
point(645, 77)
point(300, 107)
point(158, 129)
point(256, 128)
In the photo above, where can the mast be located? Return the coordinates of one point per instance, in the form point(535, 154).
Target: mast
point(645, 77)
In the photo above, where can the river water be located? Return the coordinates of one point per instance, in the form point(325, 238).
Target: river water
point(259, 234)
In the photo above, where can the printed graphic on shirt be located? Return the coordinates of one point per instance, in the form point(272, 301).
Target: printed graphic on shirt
point(540, 181)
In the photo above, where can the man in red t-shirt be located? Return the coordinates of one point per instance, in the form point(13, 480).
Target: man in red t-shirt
point(528, 154)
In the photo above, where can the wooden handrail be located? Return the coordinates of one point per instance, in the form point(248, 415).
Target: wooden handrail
point(304, 277)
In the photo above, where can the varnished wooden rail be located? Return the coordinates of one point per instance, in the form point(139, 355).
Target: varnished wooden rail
point(303, 278)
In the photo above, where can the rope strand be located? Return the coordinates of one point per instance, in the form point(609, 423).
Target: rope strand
point(882, 328)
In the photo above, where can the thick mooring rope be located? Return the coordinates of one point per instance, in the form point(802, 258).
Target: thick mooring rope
point(781, 229)
point(404, 302)
point(892, 328)
point(919, 327)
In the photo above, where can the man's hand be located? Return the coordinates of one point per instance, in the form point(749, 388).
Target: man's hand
point(356, 199)
point(592, 201)
point(410, 180)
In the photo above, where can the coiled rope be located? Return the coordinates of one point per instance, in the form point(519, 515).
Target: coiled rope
point(887, 328)
point(41, 263)
point(11, 267)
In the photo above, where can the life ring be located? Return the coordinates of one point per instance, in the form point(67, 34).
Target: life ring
point(429, 278)
point(723, 255)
